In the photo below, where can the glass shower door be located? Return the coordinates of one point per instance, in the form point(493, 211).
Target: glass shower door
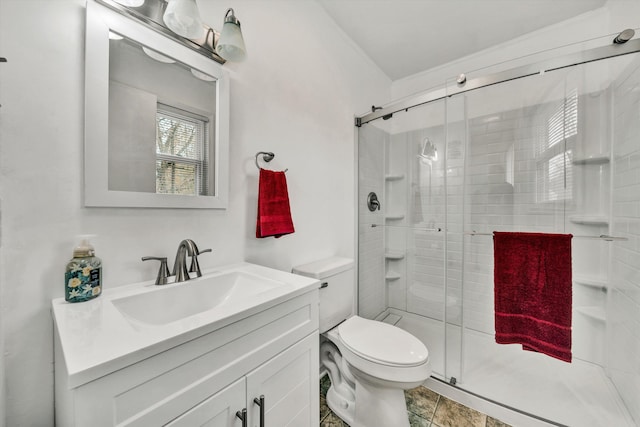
point(414, 226)
point(538, 159)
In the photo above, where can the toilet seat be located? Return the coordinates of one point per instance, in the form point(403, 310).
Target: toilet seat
point(382, 343)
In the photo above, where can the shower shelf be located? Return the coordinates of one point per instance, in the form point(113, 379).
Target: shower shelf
point(596, 313)
point(600, 284)
point(589, 220)
point(394, 255)
point(394, 216)
point(392, 275)
point(600, 159)
point(392, 177)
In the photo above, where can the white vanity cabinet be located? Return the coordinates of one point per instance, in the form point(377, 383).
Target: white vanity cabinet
point(208, 379)
point(284, 383)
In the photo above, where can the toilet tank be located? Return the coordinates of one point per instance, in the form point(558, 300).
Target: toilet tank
point(336, 291)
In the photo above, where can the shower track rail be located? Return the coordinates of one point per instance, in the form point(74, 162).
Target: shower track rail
point(466, 85)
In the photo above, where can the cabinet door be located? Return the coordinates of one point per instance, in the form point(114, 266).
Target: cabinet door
point(217, 411)
point(289, 384)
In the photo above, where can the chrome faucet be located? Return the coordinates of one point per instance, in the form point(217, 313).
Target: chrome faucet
point(187, 247)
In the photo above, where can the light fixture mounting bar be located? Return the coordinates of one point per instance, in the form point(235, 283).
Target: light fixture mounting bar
point(150, 15)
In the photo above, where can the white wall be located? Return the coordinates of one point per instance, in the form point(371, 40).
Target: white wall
point(295, 95)
point(584, 30)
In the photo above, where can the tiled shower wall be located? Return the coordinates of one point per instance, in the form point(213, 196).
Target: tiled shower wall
point(371, 289)
point(499, 192)
point(623, 333)
point(491, 204)
point(501, 196)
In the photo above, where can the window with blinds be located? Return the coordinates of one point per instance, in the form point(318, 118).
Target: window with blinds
point(181, 152)
point(554, 154)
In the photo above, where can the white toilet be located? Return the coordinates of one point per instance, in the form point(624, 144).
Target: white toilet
point(370, 363)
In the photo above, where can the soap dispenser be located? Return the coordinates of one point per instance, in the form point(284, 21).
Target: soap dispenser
point(83, 277)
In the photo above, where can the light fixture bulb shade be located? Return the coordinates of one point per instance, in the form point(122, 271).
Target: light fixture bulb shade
point(157, 56)
point(231, 44)
point(183, 18)
point(130, 3)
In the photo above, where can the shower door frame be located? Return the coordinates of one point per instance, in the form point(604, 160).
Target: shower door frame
point(463, 85)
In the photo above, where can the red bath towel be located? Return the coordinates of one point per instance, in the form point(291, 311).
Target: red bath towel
point(274, 214)
point(532, 278)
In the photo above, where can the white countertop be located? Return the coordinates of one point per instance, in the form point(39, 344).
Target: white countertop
point(97, 339)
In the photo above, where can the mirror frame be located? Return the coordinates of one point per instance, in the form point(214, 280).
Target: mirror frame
point(101, 20)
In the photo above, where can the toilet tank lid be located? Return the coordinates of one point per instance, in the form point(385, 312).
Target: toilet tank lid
point(324, 268)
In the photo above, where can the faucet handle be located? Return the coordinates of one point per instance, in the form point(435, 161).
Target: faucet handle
point(195, 265)
point(163, 272)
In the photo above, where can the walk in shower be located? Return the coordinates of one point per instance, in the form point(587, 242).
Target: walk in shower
point(552, 147)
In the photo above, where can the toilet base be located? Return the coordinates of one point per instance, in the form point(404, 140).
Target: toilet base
point(343, 408)
point(376, 406)
point(379, 406)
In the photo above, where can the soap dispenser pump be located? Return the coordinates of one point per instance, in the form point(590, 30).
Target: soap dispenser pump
point(83, 277)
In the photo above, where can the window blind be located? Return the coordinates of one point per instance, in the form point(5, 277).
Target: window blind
point(554, 168)
point(181, 152)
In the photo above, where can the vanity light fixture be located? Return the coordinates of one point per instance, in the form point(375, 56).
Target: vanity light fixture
point(180, 20)
point(231, 44)
point(183, 18)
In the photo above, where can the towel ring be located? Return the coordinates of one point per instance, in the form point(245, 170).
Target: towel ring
point(267, 156)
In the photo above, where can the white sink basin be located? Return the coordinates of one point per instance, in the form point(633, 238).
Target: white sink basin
point(170, 303)
point(131, 322)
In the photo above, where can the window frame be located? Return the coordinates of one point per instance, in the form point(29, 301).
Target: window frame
point(203, 149)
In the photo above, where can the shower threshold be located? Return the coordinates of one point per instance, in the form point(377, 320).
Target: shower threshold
point(519, 388)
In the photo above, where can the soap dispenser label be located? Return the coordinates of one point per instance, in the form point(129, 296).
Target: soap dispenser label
point(82, 281)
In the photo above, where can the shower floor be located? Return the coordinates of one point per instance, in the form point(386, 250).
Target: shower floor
point(576, 394)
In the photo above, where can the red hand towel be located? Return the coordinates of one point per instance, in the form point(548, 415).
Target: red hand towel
point(532, 293)
point(274, 214)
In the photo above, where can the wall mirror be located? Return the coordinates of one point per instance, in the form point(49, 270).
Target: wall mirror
point(156, 118)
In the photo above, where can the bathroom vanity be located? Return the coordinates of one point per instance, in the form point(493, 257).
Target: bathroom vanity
point(239, 342)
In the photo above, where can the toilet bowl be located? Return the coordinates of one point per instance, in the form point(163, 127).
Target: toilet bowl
point(370, 363)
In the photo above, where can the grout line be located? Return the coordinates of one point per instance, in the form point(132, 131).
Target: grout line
point(435, 408)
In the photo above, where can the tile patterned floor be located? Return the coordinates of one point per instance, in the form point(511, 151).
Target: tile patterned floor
point(426, 409)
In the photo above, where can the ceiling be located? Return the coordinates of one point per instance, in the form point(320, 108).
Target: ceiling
point(404, 37)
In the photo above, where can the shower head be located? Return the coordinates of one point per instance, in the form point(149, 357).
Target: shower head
point(429, 151)
point(624, 36)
